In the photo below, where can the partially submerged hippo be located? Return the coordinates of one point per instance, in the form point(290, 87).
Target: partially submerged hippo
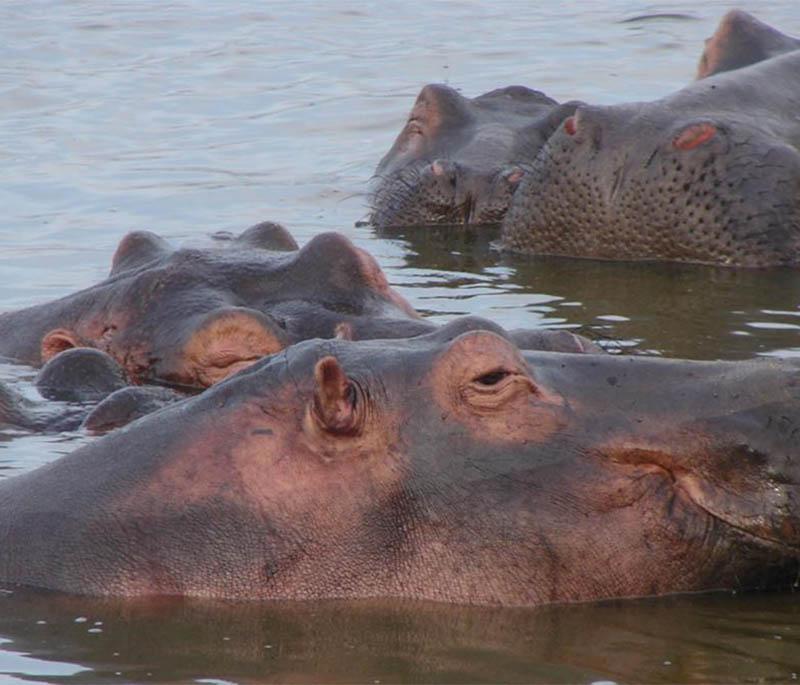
point(83, 388)
point(710, 174)
point(741, 40)
point(458, 160)
point(447, 467)
point(194, 316)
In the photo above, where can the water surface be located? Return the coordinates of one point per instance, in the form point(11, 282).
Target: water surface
point(187, 118)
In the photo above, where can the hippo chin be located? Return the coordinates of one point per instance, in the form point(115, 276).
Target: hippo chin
point(710, 174)
point(741, 40)
point(459, 160)
point(447, 467)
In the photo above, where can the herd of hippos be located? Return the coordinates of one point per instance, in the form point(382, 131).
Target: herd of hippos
point(281, 424)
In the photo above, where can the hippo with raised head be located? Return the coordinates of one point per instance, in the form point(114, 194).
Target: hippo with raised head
point(710, 174)
point(741, 40)
point(446, 467)
point(458, 160)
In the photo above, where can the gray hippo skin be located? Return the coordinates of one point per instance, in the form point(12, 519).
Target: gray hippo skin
point(458, 160)
point(82, 388)
point(447, 467)
point(195, 316)
point(710, 174)
point(192, 317)
point(741, 40)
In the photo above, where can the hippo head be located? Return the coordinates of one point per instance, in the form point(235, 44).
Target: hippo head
point(448, 467)
point(459, 160)
point(195, 316)
point(710, 174)
point(741, 40)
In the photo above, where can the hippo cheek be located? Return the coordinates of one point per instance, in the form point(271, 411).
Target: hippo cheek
point(727, 486)
point(221, 344)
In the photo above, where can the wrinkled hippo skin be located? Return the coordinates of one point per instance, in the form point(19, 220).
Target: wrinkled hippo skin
point(447, 467)
point(87, 389)
point(194, 316)
point(458, 160)
point(710, 174)
point(741, 40)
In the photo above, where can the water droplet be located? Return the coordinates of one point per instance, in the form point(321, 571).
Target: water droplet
point(81, 619)
point(95, 630)
point(41, 623)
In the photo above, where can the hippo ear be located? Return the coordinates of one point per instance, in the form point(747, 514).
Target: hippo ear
point(137, 248)
point(335, 407)
point(57, 341)
point(268, 236)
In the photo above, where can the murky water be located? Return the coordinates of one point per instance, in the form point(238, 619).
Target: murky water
point(190, 117)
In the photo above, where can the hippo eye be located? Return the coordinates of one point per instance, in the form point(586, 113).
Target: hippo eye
point(492, 378)
point(493, 389)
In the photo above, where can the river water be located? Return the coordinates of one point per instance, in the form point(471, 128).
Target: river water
point(192, 117)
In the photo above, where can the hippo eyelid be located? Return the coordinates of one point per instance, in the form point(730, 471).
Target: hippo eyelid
point(492, 378)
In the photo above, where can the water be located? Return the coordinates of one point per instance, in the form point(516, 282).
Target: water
point(191, 117)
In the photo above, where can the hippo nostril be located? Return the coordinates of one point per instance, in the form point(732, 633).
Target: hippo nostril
point(438, 167)
point(570, 126)
point(514, 175)
point(693, 136)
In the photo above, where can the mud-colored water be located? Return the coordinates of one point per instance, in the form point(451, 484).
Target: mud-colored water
point(191, 117)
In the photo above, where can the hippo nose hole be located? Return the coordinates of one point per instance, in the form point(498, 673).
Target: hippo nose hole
point(694, 136)
point(444, 169)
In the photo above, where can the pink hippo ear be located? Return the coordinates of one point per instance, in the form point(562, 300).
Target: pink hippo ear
point(137, 248)
point(59, 340)
point(335, 405)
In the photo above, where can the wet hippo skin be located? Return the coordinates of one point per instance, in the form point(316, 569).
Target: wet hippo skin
point(741, 40)
point(448, 467)
point(459, 160)
point(709, 174)
point(82, 388)
point(193, 317)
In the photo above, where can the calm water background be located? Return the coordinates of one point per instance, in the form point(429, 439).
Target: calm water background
point(188, 118)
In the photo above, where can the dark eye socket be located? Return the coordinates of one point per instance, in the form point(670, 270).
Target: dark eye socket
point(492, 378)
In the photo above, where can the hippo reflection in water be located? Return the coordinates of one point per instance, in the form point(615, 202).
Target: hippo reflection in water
point(710, 174)
point(448, 467)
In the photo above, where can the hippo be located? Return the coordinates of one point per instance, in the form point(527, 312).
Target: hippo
point(450, 467)
point(87, 389)
point(709, 174)
point(741, 40)
point(459, 160)
point(192, 317)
